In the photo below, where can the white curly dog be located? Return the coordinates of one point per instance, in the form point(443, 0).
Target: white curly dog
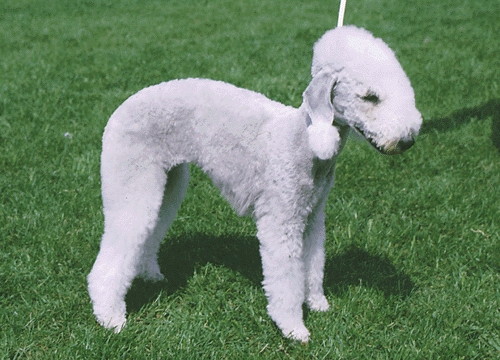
point(269, 160)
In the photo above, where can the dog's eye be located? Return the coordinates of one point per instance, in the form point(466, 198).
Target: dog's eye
point(371, 98)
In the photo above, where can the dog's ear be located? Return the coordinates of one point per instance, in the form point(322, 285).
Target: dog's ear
point(323, 136)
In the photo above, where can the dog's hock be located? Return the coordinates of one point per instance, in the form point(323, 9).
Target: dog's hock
point(324, 138)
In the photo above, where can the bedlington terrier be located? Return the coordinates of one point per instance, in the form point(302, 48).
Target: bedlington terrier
point(269, 160)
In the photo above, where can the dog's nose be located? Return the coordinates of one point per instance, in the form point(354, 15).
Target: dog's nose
point(405, 144)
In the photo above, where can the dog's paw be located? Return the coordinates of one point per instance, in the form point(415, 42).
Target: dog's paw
point(299, 334)
point(151, 272)
point(153, 276)
point(318, 303)
point(115, 323)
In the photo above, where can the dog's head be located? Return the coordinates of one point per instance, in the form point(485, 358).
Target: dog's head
point(365, 87)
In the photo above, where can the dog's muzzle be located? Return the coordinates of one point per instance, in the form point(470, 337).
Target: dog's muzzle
point(392, 148)
point(398, 147)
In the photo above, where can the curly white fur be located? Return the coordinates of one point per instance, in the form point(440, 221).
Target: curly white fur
point(269, 160)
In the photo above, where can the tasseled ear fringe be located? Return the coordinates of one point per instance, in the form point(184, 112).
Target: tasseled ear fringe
point(324, 140)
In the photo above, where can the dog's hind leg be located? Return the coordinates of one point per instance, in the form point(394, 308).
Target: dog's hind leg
point(133, 189)
point(175, 190)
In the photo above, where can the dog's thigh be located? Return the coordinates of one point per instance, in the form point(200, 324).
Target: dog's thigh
point(314, 261)
point(283, 269)
point(175, 190)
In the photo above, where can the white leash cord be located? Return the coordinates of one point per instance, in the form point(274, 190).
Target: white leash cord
point(340, 21)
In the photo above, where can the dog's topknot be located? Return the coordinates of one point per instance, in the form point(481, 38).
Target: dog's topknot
point(352, 47)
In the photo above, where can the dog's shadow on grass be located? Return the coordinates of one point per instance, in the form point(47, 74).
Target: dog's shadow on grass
point(464, 116)
point(355, 266)
point(179, 257)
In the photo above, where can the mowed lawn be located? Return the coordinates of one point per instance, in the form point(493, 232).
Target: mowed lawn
point(413, 241)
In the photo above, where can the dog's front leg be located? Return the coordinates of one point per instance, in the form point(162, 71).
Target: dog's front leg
point(314, 260)
point(283, 268)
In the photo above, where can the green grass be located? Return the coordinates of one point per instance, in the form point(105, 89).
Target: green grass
point(413, 250)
